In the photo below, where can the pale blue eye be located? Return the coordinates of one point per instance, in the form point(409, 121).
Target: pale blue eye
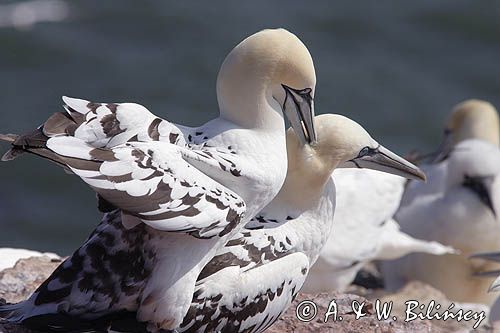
point(365, 151)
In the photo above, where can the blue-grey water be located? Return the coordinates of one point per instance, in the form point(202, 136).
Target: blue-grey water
point(397, 67)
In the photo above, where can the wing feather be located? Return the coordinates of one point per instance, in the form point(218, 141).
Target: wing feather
point(141, 164)
point(233, 300)
point(153, 182)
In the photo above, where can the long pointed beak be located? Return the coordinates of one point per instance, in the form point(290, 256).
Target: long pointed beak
point(444, 148)
point(299, 109)
point(489, 256)
point(382, 159)
point(495, 286)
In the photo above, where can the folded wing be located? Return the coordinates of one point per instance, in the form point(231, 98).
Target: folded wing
point(139, 163)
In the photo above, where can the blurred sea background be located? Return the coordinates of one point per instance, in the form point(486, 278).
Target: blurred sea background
point(395, 67)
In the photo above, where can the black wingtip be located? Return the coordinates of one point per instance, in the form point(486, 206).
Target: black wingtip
point(9, 138)
point(6, 309)
point(12, 154)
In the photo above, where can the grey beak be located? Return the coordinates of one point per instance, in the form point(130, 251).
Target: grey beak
point(382, 159)
point(444, 148)
point(299, 109)
point(494, 257)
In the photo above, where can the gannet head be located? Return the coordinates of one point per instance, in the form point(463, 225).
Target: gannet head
point(341, 143)
point(471, 119)
point(474, 119)
point(266, 75)
point(344, 143)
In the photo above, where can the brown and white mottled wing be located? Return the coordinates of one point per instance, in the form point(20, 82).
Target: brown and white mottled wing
point(232, 300)
point(152, 182)
point(249, 249)
point(111, 124)
point(100, 125)
point(105, 275)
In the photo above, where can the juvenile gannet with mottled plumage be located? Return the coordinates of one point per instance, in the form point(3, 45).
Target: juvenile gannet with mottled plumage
point(363, 229)
point(460, 209)
point(182, 191)
point(253, 280)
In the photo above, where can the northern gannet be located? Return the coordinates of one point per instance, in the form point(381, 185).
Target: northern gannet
point(364, 229)
point(254, 279)
point(457, 207)
point(182, 191)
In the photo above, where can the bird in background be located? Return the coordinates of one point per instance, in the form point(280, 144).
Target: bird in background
point(364, 229)
point(180, 192)
point(458, 207)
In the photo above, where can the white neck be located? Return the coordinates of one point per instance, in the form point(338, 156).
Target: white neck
point(244, 92)
point(306, 177)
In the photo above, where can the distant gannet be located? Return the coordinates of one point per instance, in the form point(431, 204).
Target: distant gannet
point(471, 119)
point(460, 209)
point(183, 191)
point(254, 279)
point(363, 229)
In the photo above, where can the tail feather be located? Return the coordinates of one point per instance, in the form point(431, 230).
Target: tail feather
point(60, 123)
point(122, 321)
point(13, 152)
point(6, 309)
point(10, 138)
point(34, 142)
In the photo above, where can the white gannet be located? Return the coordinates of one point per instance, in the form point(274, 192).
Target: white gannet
point(471, 119)
point(460, 210)
point(363, 229)
point(254, 279)
point(10, 256)
point(183, 191)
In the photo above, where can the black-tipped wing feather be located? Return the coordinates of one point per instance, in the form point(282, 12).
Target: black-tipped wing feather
point(139, 163)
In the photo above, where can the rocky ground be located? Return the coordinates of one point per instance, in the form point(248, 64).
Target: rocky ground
point(18, 282)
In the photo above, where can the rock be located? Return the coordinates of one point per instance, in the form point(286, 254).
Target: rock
point(19, 282)
point(9, 256)
point(369, 323)
point(424, 294)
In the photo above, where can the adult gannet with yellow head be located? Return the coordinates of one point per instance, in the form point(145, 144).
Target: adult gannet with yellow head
point(472, 119)
point(458, 207)
point(255, 277)
point(182, 192)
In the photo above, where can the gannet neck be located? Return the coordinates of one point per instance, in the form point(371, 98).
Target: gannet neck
point(306, 176)
point(474, 119)
point(310, 167)
point(249, 84)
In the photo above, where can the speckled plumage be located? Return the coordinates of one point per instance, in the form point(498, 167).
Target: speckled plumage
point(156, 174)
